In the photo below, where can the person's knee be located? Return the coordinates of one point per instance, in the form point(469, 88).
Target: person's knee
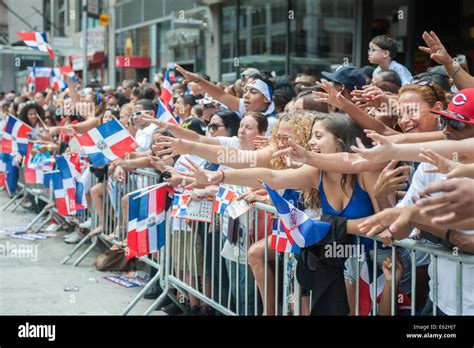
point(96, 190)
point(255, 254)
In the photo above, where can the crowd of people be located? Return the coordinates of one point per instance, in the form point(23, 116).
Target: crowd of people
point(373, 151)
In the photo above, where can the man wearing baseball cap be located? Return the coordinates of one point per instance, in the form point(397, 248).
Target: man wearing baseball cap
point(346, 78)
point(457, 122)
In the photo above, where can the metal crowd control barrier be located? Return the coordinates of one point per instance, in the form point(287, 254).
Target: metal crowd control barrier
point(37, 193)
point(191, 263)
point(91, 212)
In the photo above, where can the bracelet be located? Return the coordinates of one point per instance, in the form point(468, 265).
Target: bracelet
point(223, 176)
point(457, 69)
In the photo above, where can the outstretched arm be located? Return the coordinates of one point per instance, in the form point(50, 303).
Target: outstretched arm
point(219, 154)
point(340, 162)
point(180, 132)
point(363, 119)
point(302, 178)
point(214, 91)
point(386, 150)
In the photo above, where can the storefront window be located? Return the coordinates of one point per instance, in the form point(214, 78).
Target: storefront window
point(321, 36)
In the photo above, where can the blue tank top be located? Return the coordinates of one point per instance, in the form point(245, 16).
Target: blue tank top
point(359, 206)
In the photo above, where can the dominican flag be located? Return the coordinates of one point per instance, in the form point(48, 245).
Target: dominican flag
point(223, 198)
point(164, 115)
point(281, 240)
point(146, 221)
point(366, 286)
point(70, 169)
point(11, 173)
point(57, 81)
point(63, 202)
point(41, 78)
point(180, 202)
point(106, 143)
point(67, 70)
point(15, 136)
point(38, 173)
point(30, 81)
point(299, 227)
point(37, 41)
point(166, 92)
point(57, 78)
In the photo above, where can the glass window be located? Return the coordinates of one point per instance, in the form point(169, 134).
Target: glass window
point(322, 35)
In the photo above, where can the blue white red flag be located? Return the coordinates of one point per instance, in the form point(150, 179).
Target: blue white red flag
point(299, 227)
point(106, 143)
point(37, 41)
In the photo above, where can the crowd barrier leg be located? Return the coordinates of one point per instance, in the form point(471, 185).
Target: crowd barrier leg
point(17, 204)
point(95, 239)
point(150, 283)
point(12, 200)
point(44, 211)
point(44, 223)
point(76, 248)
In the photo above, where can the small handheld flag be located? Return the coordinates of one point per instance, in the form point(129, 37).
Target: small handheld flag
point(299, 227)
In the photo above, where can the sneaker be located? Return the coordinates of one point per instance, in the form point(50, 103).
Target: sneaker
point(86, 224)
point(75, 239)
point(70, 235)
point(27, 204)
point(52, 228)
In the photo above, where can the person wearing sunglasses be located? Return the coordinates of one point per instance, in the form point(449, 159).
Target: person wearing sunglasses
point(145, 128)
point(458, 121)
point(382, 51)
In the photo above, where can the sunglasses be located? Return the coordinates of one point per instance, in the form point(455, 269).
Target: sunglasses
point(372, 50)
point(214, 127)
point(428, 83)
point(456, 125)
point(139, 113)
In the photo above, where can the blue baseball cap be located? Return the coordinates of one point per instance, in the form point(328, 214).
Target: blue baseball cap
point(349, 76)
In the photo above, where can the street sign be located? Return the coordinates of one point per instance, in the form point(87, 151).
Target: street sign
point(104, 19)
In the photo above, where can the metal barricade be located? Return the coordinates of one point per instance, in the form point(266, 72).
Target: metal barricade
point(83, 216)
point(198, 264)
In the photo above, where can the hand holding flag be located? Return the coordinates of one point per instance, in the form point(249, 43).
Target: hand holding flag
point(299, 227)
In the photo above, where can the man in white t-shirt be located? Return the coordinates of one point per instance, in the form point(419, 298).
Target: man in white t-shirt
point(446, 268)
point(145, 129)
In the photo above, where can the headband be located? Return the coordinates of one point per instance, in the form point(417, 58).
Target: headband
point(265, 89)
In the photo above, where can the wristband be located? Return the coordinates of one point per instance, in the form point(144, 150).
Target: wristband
point(223, 176)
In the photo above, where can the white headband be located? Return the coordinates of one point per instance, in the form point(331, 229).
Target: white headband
point(267, 92)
